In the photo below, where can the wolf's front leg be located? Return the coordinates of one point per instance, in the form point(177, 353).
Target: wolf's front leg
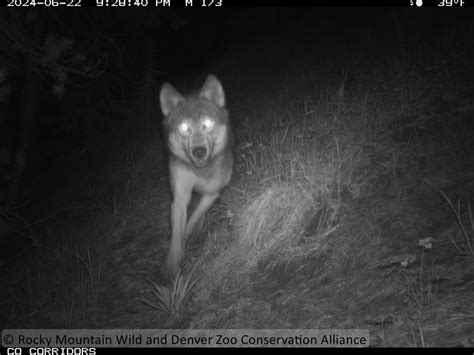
point(195, 222)
point(178, 227)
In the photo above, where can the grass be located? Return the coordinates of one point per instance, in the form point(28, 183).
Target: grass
point(465, 246)
point(53, 280)
point(171, 299)
point(325, 199)
point(66, 291)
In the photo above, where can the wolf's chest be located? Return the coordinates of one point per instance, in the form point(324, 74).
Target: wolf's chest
point(210, 180)
point(213, 182)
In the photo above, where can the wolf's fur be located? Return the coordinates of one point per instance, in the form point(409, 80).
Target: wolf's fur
point(201, 159)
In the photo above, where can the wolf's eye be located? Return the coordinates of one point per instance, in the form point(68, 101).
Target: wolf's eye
point(184, 127)
point(208, 123)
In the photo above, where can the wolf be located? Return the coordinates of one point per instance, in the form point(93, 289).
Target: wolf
point(200, 143)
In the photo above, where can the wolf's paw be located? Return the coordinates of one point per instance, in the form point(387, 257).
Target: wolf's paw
point(170, 268)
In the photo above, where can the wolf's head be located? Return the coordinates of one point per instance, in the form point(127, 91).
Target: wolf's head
point(197, 126)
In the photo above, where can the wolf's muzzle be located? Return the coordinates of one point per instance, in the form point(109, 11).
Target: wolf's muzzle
point(199, 153)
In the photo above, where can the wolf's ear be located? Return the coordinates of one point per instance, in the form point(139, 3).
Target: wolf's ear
point(169, 99)
point(213, 92)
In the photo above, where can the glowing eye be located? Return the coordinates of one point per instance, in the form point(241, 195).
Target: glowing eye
point(208, 123)
point(184, 127)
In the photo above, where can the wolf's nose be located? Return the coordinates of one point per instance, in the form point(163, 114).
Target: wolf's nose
point(199, 152)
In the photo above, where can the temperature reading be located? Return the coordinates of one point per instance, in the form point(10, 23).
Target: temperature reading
point(449, 3)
